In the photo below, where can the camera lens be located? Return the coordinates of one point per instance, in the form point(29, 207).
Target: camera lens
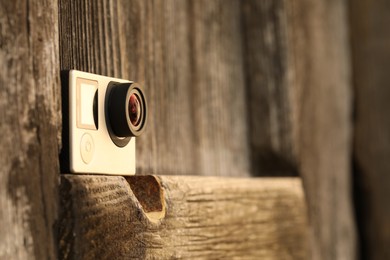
point(135, 109)
point(126, 111)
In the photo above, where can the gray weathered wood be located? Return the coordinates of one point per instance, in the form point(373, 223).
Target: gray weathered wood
point(188, 56)
point(298, 75)
point(371, 62)
point(270, 89)
point(182, 217)
point(29, 119)
point(322, 86)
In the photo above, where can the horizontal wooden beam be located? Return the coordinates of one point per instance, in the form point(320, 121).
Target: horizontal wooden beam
point(160, 217)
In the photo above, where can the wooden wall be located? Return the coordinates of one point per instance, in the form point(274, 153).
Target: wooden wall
point(299, 80)
point(236, 88)
point(30, 122)
point(210, 67)
point(188, 55)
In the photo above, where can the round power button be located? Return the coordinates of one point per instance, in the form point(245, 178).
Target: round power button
point(87, 148)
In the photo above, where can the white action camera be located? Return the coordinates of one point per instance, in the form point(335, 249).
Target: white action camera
point(105, 116)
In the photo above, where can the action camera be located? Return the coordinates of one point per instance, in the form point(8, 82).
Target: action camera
point(105, 115)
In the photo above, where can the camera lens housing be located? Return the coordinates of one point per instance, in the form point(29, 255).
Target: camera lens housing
point(126, 111)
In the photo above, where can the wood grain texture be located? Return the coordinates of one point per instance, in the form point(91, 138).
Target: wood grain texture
point(319, 50)
point(371, 59)
point(30, 115)
point(188, 56)
point(270, 88)
point(195, 58)
point(297, 69)
point(185, 217)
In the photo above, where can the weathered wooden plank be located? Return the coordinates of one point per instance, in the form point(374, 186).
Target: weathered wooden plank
point(188, 56)
point(298, 75)
point(370, 36)
point(162, 217)
point(322, 86)
point(270, 97)
point(30, 116)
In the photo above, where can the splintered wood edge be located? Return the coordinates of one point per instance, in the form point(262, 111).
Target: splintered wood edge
point(146, 216)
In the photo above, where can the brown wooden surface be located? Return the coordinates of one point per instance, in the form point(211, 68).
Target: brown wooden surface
point(270, 89)
point(371, 62)
point(195, 59)
point(209, 68)
point(185, 217)
point(298, 76)
point(322, 83)
point(29, 126)
point(188, 56)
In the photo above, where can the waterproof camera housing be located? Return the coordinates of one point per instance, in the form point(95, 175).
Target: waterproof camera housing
point(105, 117)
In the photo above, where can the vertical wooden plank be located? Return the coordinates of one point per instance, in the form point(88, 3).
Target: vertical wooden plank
point(89, 37)
point(299, 94)
point(218, 90)
point(188, 55)
point(371, 60)
point(168, 144)
point(30, 116)
point(322, 85)
point(270, 88)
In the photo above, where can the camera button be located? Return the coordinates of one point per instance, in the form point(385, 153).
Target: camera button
point(87, 148)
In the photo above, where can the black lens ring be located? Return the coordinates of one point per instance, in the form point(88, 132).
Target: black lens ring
point(118, 141)
point(118, 121)
point(136, 89)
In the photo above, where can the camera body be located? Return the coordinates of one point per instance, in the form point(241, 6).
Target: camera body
point(105, 116)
